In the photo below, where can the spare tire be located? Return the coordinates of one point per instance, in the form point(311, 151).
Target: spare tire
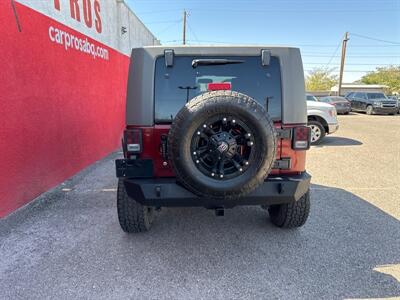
point(222, 144)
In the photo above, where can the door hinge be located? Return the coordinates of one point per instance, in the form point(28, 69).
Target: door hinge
point(283, 164)
point(284, 133)
point(164, 147)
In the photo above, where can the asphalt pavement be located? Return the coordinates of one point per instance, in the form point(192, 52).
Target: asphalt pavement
point(68, 243)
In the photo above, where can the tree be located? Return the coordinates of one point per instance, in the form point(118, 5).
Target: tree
point(389, 76)
point(321, 79)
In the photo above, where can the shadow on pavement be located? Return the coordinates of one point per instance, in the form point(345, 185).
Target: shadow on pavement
point(72, 247)
point(338, 141)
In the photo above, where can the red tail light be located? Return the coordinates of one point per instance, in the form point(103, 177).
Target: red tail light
point(219, 86)
point(301, 138)
point(132, 142)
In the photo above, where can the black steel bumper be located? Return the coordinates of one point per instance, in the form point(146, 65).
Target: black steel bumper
point(166, 192)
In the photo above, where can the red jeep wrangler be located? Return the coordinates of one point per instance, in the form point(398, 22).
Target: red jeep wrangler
point(214, 127)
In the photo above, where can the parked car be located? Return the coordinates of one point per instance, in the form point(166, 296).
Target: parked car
point(373, 103)
point(310, 97)
point(214, 127)
point(349, 96)
point(341, 104)
point(398, 101)
point(322, 119)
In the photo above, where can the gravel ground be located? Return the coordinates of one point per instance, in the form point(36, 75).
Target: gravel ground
point(68, 243)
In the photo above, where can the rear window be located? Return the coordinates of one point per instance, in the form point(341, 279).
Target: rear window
point(177, 85)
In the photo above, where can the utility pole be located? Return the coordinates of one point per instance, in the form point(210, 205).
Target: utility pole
point(184, 27)
point(344, 46)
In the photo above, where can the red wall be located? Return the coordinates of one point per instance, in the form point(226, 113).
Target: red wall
point(59, 110)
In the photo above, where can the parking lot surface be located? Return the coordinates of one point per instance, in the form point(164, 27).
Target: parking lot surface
point(68, 244)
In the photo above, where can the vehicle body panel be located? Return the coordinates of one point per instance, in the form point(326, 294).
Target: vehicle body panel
point(157, 186)
point(380, 105)
point(166, 192)
point(152, 149)
point(325, 111)
point(341, 104)
point(140, 107)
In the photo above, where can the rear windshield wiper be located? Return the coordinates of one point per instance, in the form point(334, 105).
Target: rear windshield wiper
point(214, 61)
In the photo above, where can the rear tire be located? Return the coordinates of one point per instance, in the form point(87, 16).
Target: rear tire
point(317, 132)
point(132, 216)
point(291, 215)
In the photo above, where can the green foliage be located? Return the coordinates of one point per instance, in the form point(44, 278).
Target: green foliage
point(321, 79)
point(389, 76)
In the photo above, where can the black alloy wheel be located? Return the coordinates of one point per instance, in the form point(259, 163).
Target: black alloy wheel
point(222, 148)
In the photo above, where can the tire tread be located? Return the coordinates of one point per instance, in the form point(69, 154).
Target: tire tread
point(291, 215)
point(132, 216)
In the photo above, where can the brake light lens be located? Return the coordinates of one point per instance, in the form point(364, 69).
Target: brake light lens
point(221, 86)
point(132, 141)
point(301, 138)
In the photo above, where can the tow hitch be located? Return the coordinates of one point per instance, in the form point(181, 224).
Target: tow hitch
point(220, 212)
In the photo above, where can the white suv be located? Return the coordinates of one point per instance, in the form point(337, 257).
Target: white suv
point(322, 119)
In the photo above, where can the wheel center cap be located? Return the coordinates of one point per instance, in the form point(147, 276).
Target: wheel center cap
point(223, 147)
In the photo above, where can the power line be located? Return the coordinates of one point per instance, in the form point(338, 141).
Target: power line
point(347, 64)
point(334, 53)
point(166, 21)
point(356, 53)
point(346, 71)
point(355, 56)
point(192, 31)
point(375, 39)
point(225, 10)
point(157, 11)
point(353, 46)
point(300, 45)
point(169, 26)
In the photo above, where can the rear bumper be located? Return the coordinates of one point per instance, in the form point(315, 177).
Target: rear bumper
point(166, 192)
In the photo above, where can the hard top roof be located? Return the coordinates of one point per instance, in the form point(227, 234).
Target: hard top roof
point(215, 50)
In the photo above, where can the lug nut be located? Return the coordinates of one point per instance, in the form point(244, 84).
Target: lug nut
point(205, 126)
point(198, 132)
point(241, 170)
point(221, 176)
point(197, 161)
point(249, 134)
point(246, 163)
point(224, 119)
point(250, 143)
point(212, 174)
point(233, 121)
point(165, 164)
point(194, 153)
